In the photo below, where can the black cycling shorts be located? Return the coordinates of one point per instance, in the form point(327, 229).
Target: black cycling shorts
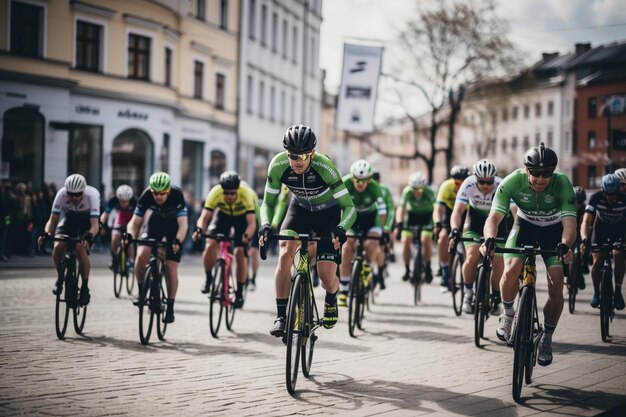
point(74, 224)
point(222, 223)
point(364, 222)
point(159, 228)
point(603, 232)
point(476, 223)
point(525, 233)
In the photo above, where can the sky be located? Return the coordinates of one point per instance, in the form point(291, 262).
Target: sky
point(536, 26)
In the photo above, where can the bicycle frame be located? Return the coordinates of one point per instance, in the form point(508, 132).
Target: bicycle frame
point(607, 308)
point(227, 256)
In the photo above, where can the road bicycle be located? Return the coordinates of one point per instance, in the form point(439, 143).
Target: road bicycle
point(607, 308)
point(153, 292)
point(527, 330)
point(67, 296)
point(223, 287)
point(361, 283)
point(576, 276)
point(121, 269)
point(302, 314)
point(418, 264)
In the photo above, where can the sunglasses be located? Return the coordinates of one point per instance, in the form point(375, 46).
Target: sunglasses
point(75, 194)
point(160, 193)
point(610, 194)
point(418, 189)
point(230, 192)
point(540, 173)
point(485, 182)
point(302, 156)
point(360, 181)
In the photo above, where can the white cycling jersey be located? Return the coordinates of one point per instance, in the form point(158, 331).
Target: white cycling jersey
point(469, 193)
point(89, 204)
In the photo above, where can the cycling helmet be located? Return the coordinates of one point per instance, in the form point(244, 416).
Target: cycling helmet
point(361, 169)
point(160, 181)
point(621, 174)
point(610, 183)
point(124, 192)
point(299, 139)
point(459, 172)
point(484, 169)
point(229, 180)
point(75, 183)
point(581, 195)
point(417, 180)
point(376, 176)
point(540, 157)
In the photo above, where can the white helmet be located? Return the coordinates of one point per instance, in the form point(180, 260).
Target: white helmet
point(417, 180)
point(621, 174)
point(484, 169)
point(124, 192)
point(361, 169)
point(75, 183)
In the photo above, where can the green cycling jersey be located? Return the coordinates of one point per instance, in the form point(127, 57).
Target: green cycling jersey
point(389, 204)
point(368, 200)
point(424, 205)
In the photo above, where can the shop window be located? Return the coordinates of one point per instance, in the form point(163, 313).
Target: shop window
point(192, 166)
point(218, 165)
point(22, 145)
point(85, 153)
point(132, 159)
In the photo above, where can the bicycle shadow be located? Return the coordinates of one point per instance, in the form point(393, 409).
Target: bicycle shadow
point(425, 335)
point(322, 341)
point(407, 321)
point(616, 346)
point(550, 394)
point(402, 395)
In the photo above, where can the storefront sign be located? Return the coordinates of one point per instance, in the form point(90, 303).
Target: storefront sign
point(83, 109)
point(131, 114)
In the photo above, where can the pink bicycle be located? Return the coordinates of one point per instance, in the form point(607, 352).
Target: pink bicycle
point(223, 287)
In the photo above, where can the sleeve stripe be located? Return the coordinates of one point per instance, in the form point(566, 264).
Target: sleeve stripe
point(340, 193)
point(272, 190)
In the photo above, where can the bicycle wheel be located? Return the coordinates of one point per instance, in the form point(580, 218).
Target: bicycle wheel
point(118, 277)
point(216, 306)
point(230, 308)
point(161, 324)
point(309, 336)
point(606, 302)
point(417, 275)
point(354, 309)
point(481, 306)
point(535, 334)
point(79, 312)
point(62, 309)
point(456, 283)
point(572, 290)
point(130, 279)
point(362, 298)
point(294, 331)
point(145, 312)
point(522, 338)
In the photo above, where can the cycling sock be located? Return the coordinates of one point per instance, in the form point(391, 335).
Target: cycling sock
point(170, 303)
point(548, 331)
point(281, 307)
point(209, 277)
point(344, 284)
point(469, 290)
point(407, 269)
point(240, 286)
point(330, 298)
point(253, 279)
point(509, 310)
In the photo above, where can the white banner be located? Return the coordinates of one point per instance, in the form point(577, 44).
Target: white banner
point(359, 83)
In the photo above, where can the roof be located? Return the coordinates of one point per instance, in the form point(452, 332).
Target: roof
point(614, 53)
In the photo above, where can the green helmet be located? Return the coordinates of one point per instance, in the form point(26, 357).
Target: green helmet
point(160, 181)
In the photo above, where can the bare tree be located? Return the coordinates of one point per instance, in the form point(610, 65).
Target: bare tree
point(445, 46)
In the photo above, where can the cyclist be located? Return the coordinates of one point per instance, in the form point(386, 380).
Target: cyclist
point(546, 215)
point(320, 203)
point(389, 222)
point(168, 220)
point(446, 197)
point(235, 204)
point(416, 208)
point(581, 197)
point(79, 204)
point(621, 174)
point(605, 219)
point(253, 243)
point(124, 204)
point(371, 215)
point(478, 191)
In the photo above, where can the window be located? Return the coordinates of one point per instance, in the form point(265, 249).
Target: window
point(192, 167)
point(312, 63)
point(261, 98)
point(132, 159)
point(283, 99)
point(494, 118)
point(567, 144)
point(294, 45)
point(591, 139)
point(263, 25)
point(293, 110)
point(85, 152)
point(550, 136)
point(249, 88)
point(592, 178)
point(526, 111)
point(168, 67)
point(138, 57)
point(526, 142)
point(285, 36)
point(220, 85)
point(550, 108)
point(27, 29)
point(537, 138)
point(537, 109)
point(201, 10)
point(514, 114)
point(165, 153)
point(274, 32)
point(566, 108)
point(23, 133)
point(505, 114)
point(88, 39)
point(218, 165)
point(504, 145)
point(514, 143)
point(272, 103)
point(251, 18)
point(198, 72)
point(224, 14)
point(592, 110)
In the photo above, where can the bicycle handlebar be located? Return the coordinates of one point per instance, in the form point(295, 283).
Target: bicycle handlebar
point(151, 242)
point(607, 246)
point(528, 250)
point(219, 237)
point(304, 237)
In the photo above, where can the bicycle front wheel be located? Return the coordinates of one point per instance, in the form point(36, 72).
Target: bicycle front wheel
point(145, 312)
point(230, 308)
point(523, 336)
point(309, 336)
point(456, 283)
point(130, 278)
point(354, 306)
point(606, 302)
point(417, 276)
point(294, 331)
point(161, 324)
point(62, 309)
point(481, 306)
point(576, 275)
point(216, 306)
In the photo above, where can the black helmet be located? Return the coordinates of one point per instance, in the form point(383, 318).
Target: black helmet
point(540, 157)
point(229, 180)
point(459, 172)
point(581, 195)
point(299, 139)
point(376, 176)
